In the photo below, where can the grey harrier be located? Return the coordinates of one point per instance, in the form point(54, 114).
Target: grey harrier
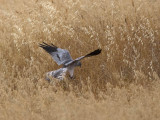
point(63, 57)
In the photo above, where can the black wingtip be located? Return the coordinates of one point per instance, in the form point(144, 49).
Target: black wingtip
point(48, 48)
point(42, 44)
point(96, 52)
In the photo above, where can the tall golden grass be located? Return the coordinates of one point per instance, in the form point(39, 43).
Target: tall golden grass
point(121, 83)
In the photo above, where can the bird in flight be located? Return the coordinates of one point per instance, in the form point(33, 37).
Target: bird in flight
point(63, 57)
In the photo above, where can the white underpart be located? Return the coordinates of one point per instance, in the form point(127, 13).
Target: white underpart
point(58, 74)
point(71, 70)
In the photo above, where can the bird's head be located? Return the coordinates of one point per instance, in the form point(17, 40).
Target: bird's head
point(78, 64)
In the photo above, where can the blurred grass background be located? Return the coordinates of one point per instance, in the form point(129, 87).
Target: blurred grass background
point(121, 83)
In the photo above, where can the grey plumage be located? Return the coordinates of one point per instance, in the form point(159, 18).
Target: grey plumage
point(59, 74)
point(63, 57)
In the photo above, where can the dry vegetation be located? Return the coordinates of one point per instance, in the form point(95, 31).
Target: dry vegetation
point(127, 84)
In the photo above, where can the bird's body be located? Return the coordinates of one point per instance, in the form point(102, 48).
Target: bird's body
point(59, 74)
point(63, 57)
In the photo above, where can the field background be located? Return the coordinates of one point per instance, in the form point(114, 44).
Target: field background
point(122, 83)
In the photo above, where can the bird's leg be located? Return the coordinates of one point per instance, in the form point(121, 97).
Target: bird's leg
point(72, 77)
point(47, 79)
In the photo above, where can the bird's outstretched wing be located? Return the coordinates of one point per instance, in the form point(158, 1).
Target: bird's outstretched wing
point(96, 52)
point(60, 56)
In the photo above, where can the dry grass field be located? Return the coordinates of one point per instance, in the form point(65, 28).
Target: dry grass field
point(122, 83)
